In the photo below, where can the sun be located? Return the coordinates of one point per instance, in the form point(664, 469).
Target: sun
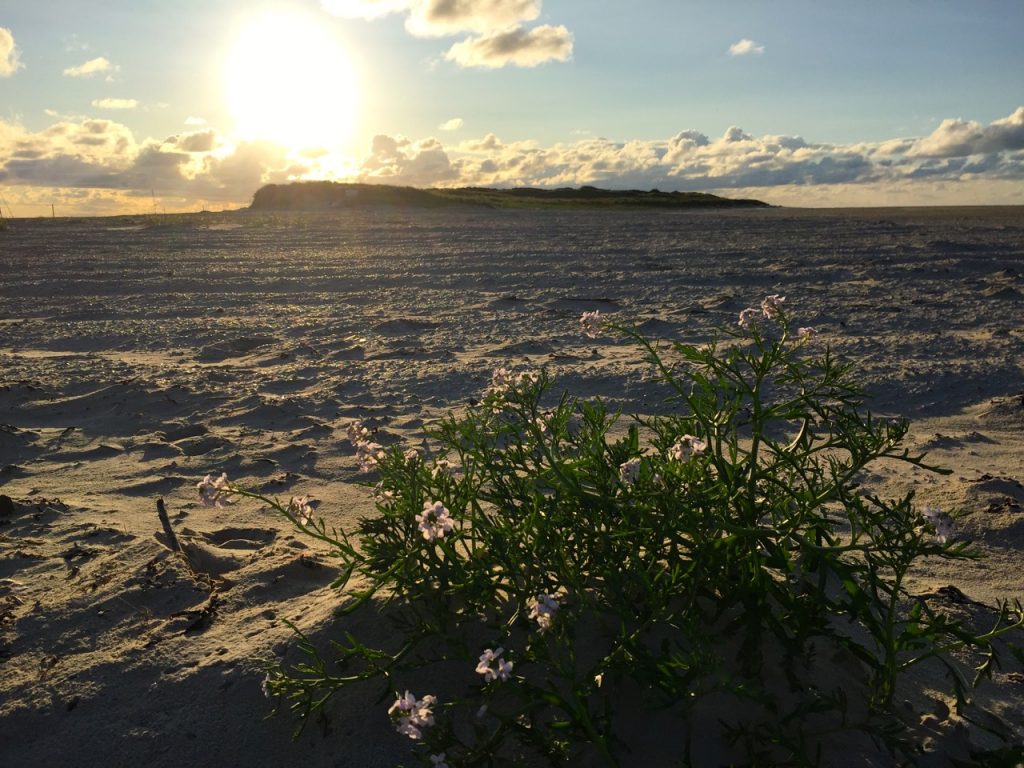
point(289, 81)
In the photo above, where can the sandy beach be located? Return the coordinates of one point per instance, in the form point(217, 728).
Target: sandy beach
point(140, 354)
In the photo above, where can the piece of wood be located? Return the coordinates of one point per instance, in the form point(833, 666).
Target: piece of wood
point(172, 540)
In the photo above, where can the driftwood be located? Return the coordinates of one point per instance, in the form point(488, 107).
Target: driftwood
point(172, 540)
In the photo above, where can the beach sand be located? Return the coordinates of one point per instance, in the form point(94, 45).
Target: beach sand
point(139, 355)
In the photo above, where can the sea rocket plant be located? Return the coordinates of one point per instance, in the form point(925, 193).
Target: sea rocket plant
point(543, 609)
point(214, 492)
point(411, 715)
point(592, 324)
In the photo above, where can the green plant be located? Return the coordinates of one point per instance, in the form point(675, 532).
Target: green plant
point(718, 553)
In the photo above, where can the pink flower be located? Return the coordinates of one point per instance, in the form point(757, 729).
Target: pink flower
point(214, 492)
point(591, 324)
point(434, 522)
point(772, 305)
point(493, 667)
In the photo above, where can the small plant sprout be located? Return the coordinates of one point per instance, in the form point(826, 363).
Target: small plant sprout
point(434, 521)
point(214, 491)
point(493, 667)
point(592, 324)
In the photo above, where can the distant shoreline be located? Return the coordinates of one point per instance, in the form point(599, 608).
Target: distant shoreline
point(330, 195)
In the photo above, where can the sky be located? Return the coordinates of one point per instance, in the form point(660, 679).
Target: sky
point(127, 106)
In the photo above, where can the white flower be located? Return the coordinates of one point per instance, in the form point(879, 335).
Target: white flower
point(411, 455)
point(503, 380)
point(940, 521)
point(214, 492)
point(772, 305)
point(747, 317)
point(434, 522)
point(806, 333)
point(412, 715)
point(368, 455)
point(629, 471)
point(685, 447)
point(591, 324)
point(501, 669)
point(358, 433)
point(382, 494)
point(438, 761)
point(265, 686)
point(299, 508)
point(543, 610)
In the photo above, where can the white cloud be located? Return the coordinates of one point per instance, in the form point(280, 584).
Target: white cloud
point(90, 68)
point(451, 125)
point(960, 138)
point(438, 18)
point(499, 38)
point(517, 46)
point(745, 47)
point(190, 120)
point(115, 103)
point(960, 161)
point(10, 60)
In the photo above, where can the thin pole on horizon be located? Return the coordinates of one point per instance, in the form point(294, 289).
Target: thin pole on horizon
point(53, 211)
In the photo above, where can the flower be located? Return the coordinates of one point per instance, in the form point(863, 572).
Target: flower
point(503, 380)
point(772, 305)
point(806, 333)
point(590, 322)
point(543, 610)
point(940, 521)
point(214, 492)
point(685, 447)
point(368, 455)
point(410, 455)
point(747, 317)
point(629, 471)
point(434, 521)
point(265, 686)
point(501, 669)
point(412, 715)
point(438, 761)
point(358, 433)
point(299, 508)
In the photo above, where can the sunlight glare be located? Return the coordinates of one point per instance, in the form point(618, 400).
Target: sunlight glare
point(288, 81)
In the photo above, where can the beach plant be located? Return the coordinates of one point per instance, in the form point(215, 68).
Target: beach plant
point(561, 581)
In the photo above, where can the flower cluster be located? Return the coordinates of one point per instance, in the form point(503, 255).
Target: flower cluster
point(629, 471)
point(214, 492)
point(686, 447)
point(412, 715)
point(543, 610)
point(300, 509)
point(503, 380)
point(493, 667)
point(434, 522)
point(940, 521)
point(368, 453)
point(443, 467)
point(591, 324)
point(771, 307)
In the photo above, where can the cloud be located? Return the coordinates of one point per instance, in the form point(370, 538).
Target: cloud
point(438, 18)
point(115, 103)
point(745, 47)
point(90, 68)
point(190, 120)
point(451, 125)
point(397, 160)
point(200, 141)
point(498, 37)
point(518, 46)
point(960, 138)
point(960, 161)
point(9, 54)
